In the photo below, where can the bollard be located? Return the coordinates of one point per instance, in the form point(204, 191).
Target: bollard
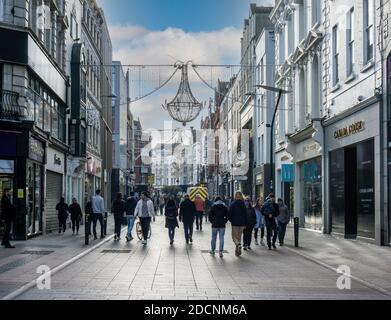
point(87, 228)
point(297, 226)
point(105, 224)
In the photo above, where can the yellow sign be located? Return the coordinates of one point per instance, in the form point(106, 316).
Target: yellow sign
point(202, 191)
point(151, 180)
point(20, 193)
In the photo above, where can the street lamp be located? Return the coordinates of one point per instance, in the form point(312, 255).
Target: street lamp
point(280, 92)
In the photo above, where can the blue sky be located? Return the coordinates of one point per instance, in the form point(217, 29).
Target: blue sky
point(189, 15)
point(164, 31)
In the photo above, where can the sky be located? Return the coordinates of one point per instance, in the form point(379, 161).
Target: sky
point(164, 31)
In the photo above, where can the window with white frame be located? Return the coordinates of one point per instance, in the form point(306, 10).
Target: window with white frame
point(368, 30)
point(350, 41)
point(335, 56)
point(282, 46)
point(316, 12)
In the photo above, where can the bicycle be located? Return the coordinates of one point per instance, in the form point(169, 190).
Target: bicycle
point(139, 231)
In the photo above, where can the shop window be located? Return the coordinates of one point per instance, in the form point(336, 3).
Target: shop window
point(312, 193)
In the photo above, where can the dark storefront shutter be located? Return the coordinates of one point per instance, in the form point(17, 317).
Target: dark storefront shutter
point(53, 195)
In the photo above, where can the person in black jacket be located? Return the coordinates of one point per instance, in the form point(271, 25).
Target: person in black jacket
point(89, 212)
point(251, 222)
point(76, 215)
point(238, 218)
point(171, 213)
point(271, 211)
point(118, 209)
point(8, 211)
point(130, 206)
point(187, 212)
point(62, 216)
point(218, 217)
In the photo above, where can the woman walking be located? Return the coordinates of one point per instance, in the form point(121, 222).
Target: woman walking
point(171, 213)
point(218, 217)
point(118, 209)
point(238, 218)
point(250, 223)
point(260, 225)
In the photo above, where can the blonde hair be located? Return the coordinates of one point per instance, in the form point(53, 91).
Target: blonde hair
point(239, 195)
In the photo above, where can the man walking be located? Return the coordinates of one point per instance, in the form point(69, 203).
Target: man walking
point(200, 208)
point(76, 216)
point(8, 211)
point(62, 209)
point(187, 212)
point(218, 216)
point(238, 219)
point(98, 209)
point(270, 211)
point(145, 211)
point(130, 207)
point(283, 220)
point(118, 209)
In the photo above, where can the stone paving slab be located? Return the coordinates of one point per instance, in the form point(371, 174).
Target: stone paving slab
point(18, 269)
point(181, 272)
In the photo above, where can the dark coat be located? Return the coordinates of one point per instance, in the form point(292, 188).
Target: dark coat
point(251, 218)
point(238, 214)
point(130, 206)
point(187, 211)
point(62, 209)
point(218, 215)
point(118, 207)
point(270, 209)
point(75, 211)
point(8, 210)
point(88, 208)
point(171, 213)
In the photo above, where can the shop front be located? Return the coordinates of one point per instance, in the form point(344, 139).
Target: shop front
point(54, 187)
point(22, 160)
point(354, 179)
point(93, 176)
point(307, 186)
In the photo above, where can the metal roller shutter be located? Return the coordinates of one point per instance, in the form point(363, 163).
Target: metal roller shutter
point(53, 195)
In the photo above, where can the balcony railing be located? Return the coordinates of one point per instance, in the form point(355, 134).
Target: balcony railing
point(9, 106)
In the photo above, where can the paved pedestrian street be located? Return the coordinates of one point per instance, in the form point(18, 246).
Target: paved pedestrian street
point(131, 271)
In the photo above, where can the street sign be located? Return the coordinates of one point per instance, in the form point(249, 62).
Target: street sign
point(241, 178)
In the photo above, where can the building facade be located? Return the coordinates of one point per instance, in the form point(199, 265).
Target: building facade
point(42, 111)
point(122, 133)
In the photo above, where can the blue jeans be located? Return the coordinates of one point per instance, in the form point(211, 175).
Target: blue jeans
point(221, 232)
point(131, 220)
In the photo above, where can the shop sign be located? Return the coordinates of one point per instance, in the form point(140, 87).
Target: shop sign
point(37, 150)
point(349, 130)
point(259, 179)
point(287, 173)
point(55, 161)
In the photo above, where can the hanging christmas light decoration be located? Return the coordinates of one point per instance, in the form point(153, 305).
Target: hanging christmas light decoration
point(184, 108)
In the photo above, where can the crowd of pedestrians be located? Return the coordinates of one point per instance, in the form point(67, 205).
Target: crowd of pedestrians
point(247, 221)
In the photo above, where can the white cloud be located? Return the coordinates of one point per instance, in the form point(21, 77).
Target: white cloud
point(137, 45)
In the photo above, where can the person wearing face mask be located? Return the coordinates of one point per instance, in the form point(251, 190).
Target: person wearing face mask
point(250, 224)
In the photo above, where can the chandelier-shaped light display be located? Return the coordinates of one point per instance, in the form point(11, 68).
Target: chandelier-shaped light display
point(184, 108)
